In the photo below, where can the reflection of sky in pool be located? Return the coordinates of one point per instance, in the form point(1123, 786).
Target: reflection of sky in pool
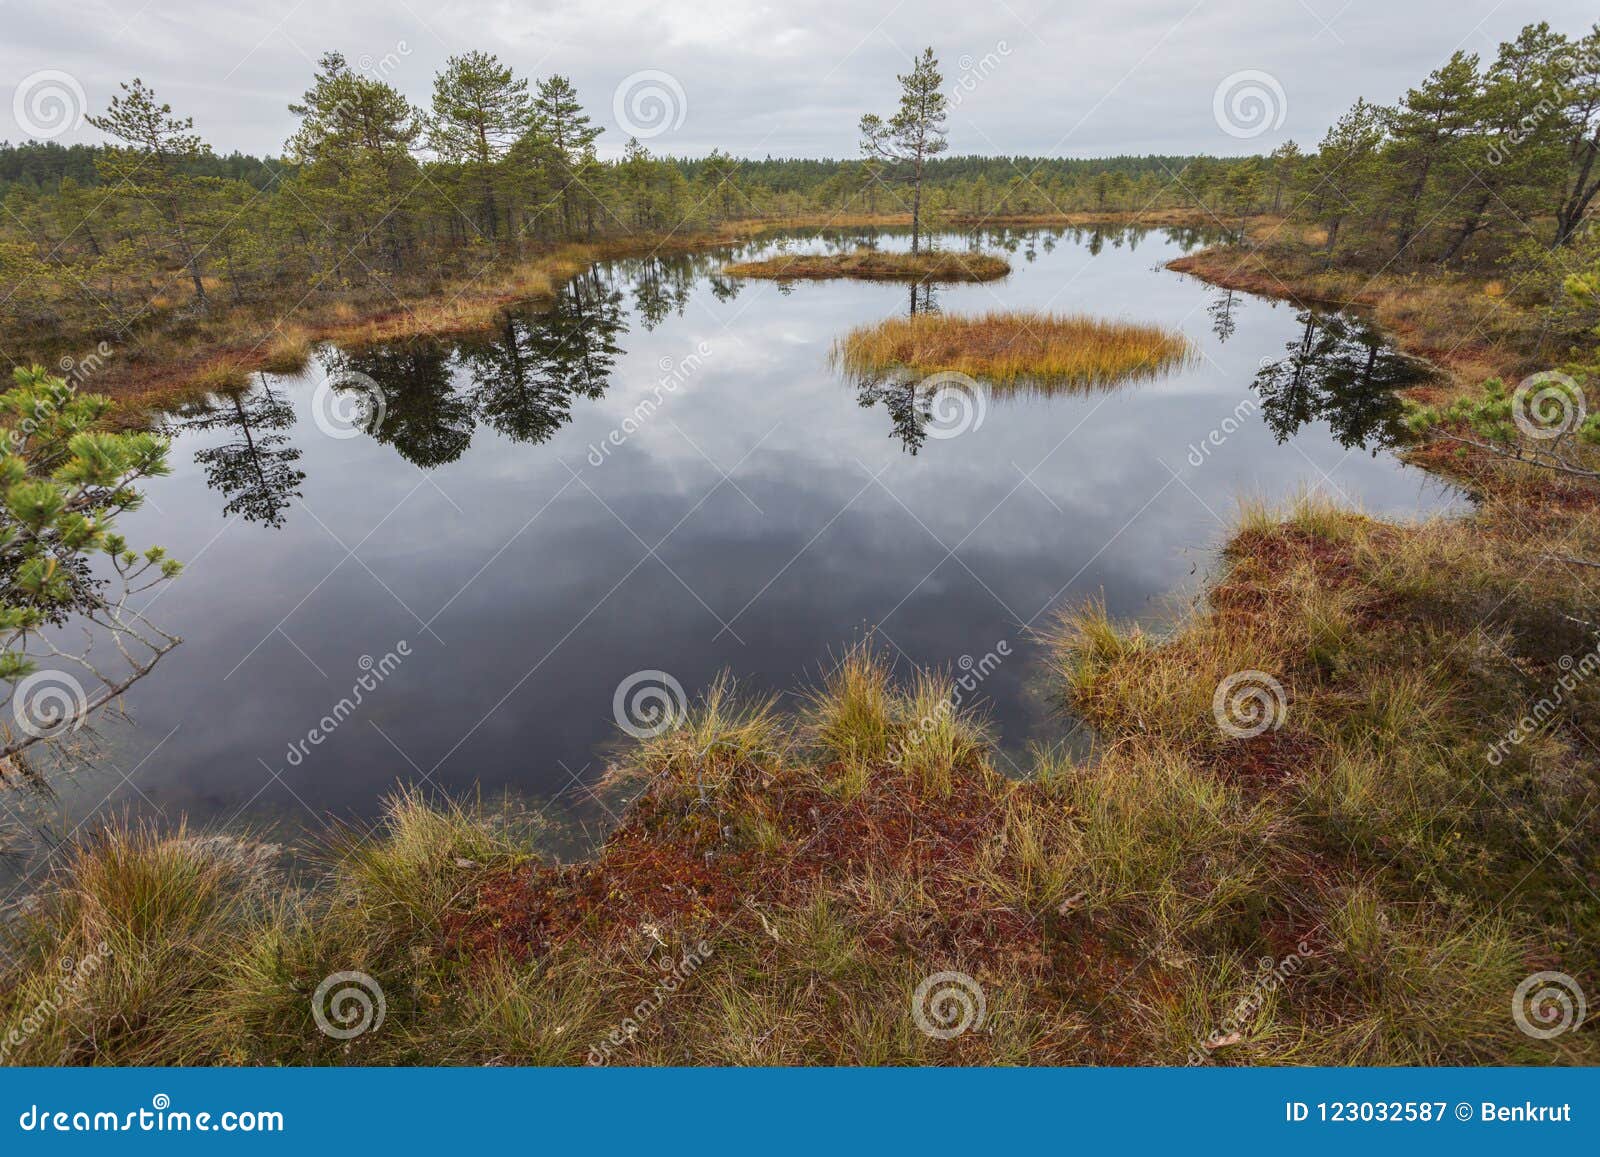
point(762, 518)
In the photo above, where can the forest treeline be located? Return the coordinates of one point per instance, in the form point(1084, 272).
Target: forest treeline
point(1485, 161)
point(40, 166)
point(372, 188)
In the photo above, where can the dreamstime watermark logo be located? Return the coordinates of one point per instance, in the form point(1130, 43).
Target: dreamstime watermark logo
point(649, 103)
point(973, 673)
point(380, 67)
point(1550, 102)
point(648, 703)
point(1249, 103)
point(349, 404)
point(160, 1117)
point(1574, 672)
point(674, 374)
point(975, 72)
point(1548, 405)
point(80, 369)
point(58, 392)
point(674, 974)
point(1248, 703)
point(375, 671)
point(48, 103)
point(49, 703)
point(1270, 976)
point(948, 1004)
point(1547, 1004)
point(347, 1004)
point(374, 68)
point(955, 404)
point(75, 974)
point(1200, 451)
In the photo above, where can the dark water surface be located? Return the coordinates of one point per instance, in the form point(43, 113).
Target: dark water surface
point(537, 518)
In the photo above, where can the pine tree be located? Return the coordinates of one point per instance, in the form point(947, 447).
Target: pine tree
point(570, 136)
point(154, 168)
point(1339, 177)
point(1504, 168)
point(1427, 130)
point(64, 480)
point(1286, 160)
point(1243, 189)
point(1580, 101)
point(914, 135)
point(480, 109)
point(354, 147)
point(721, 172)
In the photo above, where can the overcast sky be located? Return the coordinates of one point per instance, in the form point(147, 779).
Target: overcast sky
point(1055, 77)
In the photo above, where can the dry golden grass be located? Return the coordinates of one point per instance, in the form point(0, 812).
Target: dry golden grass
point(220, 377)
point(1015, 348)
point(872, 265)
point(445, 309)
point(288, 353)
point(1390, 660)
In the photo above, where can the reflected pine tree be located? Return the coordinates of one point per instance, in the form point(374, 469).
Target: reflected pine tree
point(908, 411)
point(907, 406)
point(1189, 237)
point(256, 468)
point(425, 418)
point(526, 375)
point(510, 393)
point(725, 288)
point(1221, 311)
point(661, 286)
point(1342, 372)
point(581, 337)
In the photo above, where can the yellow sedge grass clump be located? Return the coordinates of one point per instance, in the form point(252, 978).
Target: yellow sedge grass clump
point(288, 352)
point(1015, 348)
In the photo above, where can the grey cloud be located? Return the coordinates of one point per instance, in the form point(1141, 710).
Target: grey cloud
point(1075, 79)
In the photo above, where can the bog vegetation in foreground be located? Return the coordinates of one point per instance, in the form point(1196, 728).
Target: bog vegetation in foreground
point(1014, 348)
point(1358, 884)
point(874, 265)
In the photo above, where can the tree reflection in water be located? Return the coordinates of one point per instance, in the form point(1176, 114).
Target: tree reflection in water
point(521, 379)
point(1223, 323)
point(909, 408)
point(527, 372)
point(660, 287)
point(524, 375)
point(1339, 371)
point(424, 417)
point(256, 469)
